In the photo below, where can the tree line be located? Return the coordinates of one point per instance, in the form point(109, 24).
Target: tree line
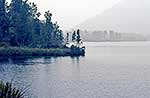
point(20, 26)
point(74, 37)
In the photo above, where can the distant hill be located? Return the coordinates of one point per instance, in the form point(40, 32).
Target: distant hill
point(128, 16)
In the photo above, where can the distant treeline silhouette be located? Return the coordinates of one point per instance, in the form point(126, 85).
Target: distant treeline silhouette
point(111, 35)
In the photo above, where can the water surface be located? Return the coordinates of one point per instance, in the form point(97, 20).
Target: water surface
point(109, 70)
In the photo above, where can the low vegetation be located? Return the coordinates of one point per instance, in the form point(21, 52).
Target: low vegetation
point(8, 91)
point(16, 51)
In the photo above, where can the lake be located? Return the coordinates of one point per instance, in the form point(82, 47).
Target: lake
point(108, 70)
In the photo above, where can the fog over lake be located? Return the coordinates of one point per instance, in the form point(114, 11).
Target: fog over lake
point(108, 70)
point(127, 16)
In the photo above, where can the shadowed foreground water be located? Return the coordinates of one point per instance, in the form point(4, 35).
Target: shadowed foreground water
point(109, 70)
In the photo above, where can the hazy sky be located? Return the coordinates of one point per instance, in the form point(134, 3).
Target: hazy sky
point(70, 13)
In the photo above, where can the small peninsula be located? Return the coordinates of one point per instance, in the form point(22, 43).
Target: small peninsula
point(23, 33)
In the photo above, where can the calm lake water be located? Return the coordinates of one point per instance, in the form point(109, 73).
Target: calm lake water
point(109, 70)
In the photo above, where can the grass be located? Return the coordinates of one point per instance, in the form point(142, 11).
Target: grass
point(8, 91)
point(18, 51)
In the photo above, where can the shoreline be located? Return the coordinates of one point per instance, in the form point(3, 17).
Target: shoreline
point(38, 52)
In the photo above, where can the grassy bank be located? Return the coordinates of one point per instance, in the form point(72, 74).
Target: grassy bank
point(17, 51)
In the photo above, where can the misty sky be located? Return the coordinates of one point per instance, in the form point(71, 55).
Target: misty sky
point(70, 13)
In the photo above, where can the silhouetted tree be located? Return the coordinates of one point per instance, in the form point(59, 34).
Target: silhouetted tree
point(74, 36)
point(67, 38)
point(19, 16)
point(48, 29)
point(78, 39)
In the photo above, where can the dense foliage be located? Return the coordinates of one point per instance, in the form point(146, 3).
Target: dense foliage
point(21, 26)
